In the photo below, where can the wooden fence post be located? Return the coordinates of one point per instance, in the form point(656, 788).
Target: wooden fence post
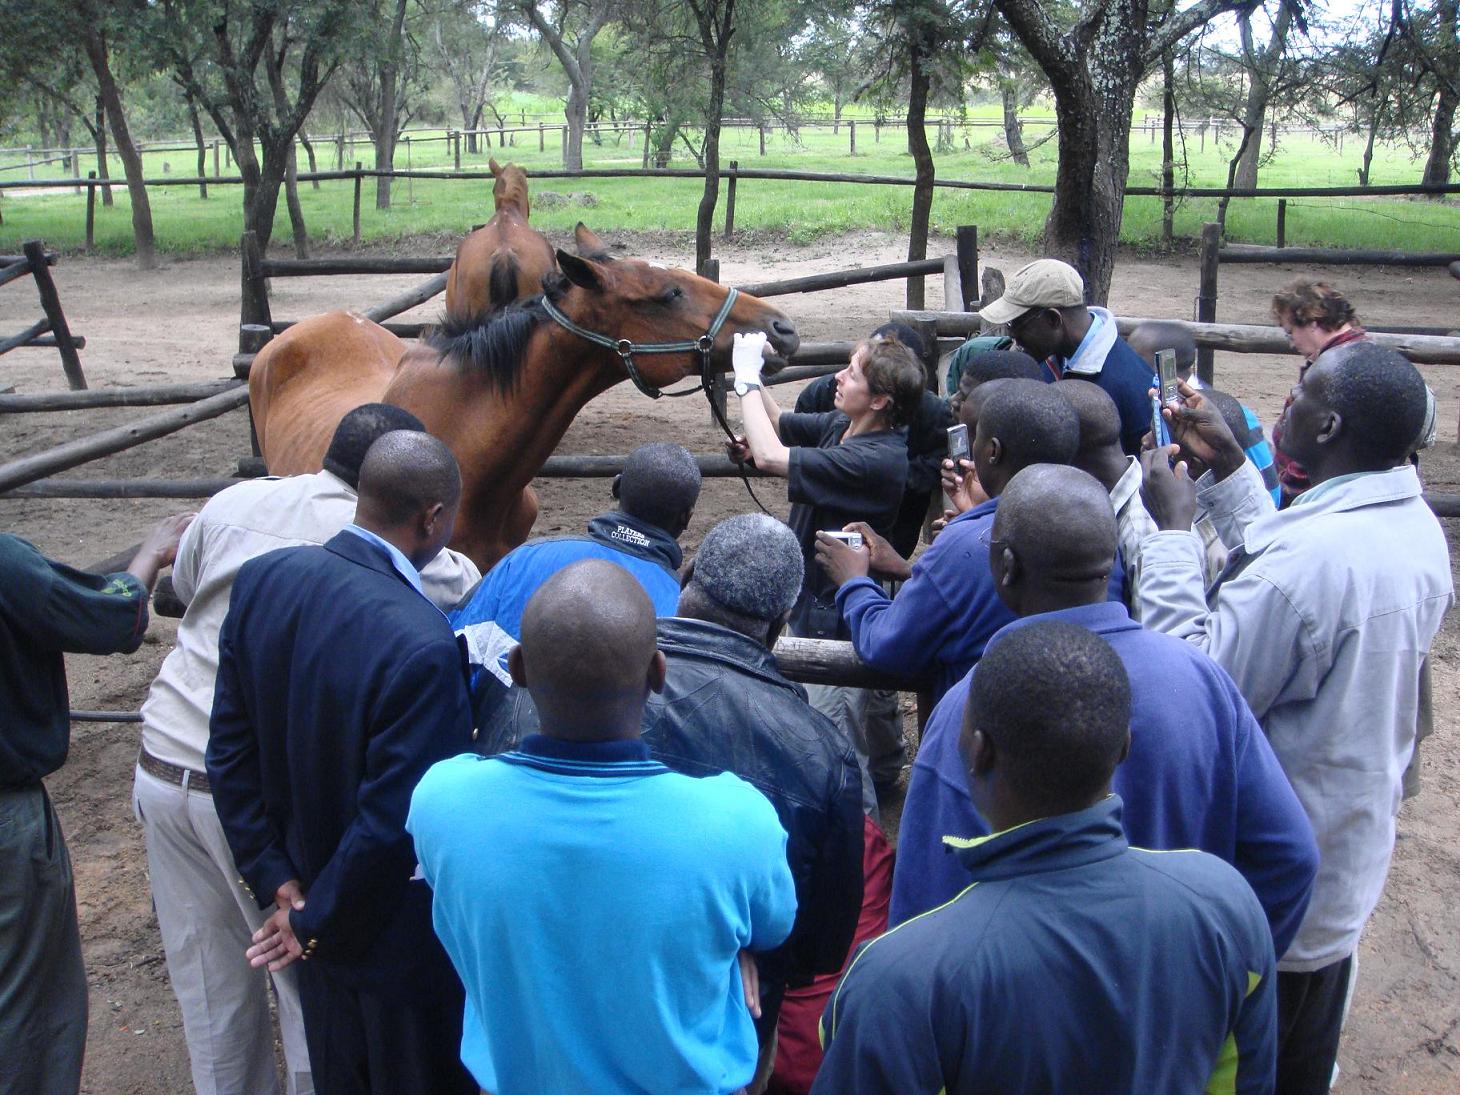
point(216, 172)
point(1206, 297)
point(967, 237)
point(90, 212)
point(852, 135)
point(730, 200)
point(251, 339)
point(762, 140)
point(1282, 223)
point(255, 289)
point(358, 177)
point(35, 253)
point(456, 148)
point(542, 137)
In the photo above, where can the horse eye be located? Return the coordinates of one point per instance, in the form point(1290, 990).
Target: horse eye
point(672, 295)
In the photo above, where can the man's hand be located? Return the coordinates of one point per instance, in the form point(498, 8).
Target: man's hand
point(882, 558)
point(274, 945)
point(159, 549)
point(750, 982)
point(940, 523)
point(1198, 427)
point(289, 895)
point(739, 452)
point(1169, 494)
point(841, 562)
point(747, 355)
point(961, 485)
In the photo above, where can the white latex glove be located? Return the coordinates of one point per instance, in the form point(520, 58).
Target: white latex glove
point(747, 355)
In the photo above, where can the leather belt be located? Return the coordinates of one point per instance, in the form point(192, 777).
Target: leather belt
point(170, 773)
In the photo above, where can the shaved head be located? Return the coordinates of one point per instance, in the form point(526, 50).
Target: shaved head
point(1099, 420)
point(1054, 540)
point(404, 472)
point(588, 653)
point(1164, 335)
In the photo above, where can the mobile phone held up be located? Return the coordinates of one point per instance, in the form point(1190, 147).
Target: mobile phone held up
point(851, 539)
point(958, 443)
point(1167, 394)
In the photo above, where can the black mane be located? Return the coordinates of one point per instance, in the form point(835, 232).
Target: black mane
point(491, 345)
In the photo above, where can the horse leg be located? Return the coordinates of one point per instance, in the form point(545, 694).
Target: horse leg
point(518, 521)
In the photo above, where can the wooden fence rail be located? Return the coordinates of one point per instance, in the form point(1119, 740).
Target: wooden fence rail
point(52, 330)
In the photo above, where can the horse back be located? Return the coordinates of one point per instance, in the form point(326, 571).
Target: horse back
point(309, 377)
point(502, 262)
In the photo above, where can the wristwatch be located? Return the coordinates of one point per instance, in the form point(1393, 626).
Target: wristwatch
point(745, 387)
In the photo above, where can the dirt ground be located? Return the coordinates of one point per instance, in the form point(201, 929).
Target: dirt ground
point(178, 323)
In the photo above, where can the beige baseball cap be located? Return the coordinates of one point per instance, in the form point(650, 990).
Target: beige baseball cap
point(1044, 283)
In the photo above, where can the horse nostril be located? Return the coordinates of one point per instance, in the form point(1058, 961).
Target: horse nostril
point(785, 334)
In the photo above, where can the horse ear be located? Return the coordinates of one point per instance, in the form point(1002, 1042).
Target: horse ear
point(580, 272)
point(495, 167)
point(589, 245)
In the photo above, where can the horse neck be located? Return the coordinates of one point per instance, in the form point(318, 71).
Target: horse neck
point(513, 200)
point(559, 374)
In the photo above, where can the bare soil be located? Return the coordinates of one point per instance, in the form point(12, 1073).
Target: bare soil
point(178, 323)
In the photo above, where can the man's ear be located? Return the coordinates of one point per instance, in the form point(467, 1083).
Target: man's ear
point(430, 518)
point(1012, 569)
point(658, 669)
point(580, 272)
point(1331, 430)
point(996, 450)
point(1124, 748)
point(613, 490)
point(981, 753)
point(773, 631)
point(517, 667)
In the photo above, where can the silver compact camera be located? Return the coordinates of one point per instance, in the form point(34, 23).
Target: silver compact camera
point(851, 539)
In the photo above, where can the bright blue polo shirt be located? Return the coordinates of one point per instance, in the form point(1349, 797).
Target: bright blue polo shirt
point(594, 903)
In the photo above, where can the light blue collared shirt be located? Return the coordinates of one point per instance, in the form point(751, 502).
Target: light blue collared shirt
point(398, 559)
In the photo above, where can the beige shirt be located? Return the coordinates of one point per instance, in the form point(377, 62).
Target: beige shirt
point(237, 525)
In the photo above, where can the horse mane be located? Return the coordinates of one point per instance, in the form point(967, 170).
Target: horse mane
point(492, 345)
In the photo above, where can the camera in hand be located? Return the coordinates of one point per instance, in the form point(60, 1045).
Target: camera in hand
point(958, 442)
point(851, 539)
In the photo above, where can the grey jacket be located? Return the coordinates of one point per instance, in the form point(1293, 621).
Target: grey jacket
point(1322, 617)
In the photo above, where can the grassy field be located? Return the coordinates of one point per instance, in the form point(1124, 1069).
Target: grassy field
point(796, 211)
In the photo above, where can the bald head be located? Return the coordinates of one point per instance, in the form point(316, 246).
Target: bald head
point(1164, 335)
point(588, 654)
point(408, 494)
point(1054, 540)
point(405, 471)
point(1099, 420)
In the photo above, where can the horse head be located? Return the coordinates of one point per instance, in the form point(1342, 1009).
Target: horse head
point(510, 187)
point(647, 303)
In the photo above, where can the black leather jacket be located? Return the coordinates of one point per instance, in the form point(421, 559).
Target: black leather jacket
point(726, 708)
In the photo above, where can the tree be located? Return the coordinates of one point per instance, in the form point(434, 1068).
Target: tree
point(39, 36)
point(1095, 63)
point(255, 67)
point(378, 84)
point(570, 37)
point(1263, 67)
point(466, 40)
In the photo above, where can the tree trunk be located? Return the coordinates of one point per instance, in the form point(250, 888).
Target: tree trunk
point(705, 218)
point(291, 199)
point(1262, 68)
point(111, 97)
point(1442, 140)
point(1013, 127)
point(1369, 144)
point(1168, 148)
point(1248, 135)
point(917, 143)
point(198, 139)
point(576, 114)
point(383, 125)
point(99, 133)
point(313, 163)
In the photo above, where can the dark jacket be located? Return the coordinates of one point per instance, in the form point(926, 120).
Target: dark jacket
point(338, 686)
point(726, 708)
point(1075, 963)
point(47, 609)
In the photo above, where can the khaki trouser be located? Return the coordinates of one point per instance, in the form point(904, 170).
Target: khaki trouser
point(207, 918)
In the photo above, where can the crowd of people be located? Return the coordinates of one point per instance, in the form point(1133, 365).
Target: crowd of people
point(568, 827)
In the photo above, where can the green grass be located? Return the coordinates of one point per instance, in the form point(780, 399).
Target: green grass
point(798, 212)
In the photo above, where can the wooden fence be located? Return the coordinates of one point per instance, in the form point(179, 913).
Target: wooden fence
point(52, 329)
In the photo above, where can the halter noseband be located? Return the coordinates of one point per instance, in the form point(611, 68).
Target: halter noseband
point(626, 349)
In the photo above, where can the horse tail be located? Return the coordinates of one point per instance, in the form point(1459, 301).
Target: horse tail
point(502, 285)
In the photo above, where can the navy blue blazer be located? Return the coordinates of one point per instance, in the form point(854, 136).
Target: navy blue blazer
point(338, 686)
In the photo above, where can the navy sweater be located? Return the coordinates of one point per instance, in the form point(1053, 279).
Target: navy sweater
point(1200, 775)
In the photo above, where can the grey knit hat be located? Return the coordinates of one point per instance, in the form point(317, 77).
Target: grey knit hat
point(751, 564)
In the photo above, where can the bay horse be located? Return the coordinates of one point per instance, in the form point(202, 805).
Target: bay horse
point(501, 391)
point(503, 261)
